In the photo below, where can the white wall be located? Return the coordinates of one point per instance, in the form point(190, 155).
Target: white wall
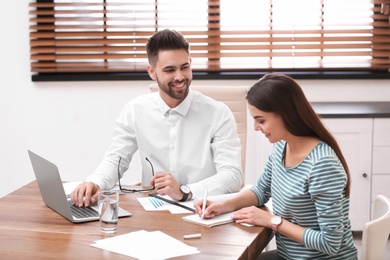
point(70, 123)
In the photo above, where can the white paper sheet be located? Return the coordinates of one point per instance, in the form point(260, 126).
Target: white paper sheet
point(138, 244)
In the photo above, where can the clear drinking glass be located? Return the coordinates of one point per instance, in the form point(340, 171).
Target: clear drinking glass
point(108, 209)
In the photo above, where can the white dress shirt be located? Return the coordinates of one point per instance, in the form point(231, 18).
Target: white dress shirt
point(197, 142)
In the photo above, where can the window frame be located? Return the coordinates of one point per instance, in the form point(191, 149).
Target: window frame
point(314, 73)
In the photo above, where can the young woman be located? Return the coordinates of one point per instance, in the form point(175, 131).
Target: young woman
point(306, 175)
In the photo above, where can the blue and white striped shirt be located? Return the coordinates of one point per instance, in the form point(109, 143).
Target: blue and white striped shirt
point(311, 195)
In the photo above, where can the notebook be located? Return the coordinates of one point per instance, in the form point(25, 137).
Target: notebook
point(210, 222)
point(54, 196)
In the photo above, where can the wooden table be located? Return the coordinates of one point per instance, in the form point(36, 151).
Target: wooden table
point(30, 230)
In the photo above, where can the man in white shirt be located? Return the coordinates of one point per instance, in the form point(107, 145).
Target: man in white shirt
point(187, 142)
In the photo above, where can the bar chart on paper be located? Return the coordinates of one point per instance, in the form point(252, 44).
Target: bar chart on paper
point(156, 202)
point(152, 204)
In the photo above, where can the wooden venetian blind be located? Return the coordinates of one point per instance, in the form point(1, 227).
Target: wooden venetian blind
point(71, 36)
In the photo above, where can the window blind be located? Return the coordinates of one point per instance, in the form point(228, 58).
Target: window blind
point(110, 35)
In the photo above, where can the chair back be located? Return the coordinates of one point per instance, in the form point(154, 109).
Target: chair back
point(234, 98)
point(376, 232)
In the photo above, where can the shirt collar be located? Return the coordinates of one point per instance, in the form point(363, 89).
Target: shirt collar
point(182, 108)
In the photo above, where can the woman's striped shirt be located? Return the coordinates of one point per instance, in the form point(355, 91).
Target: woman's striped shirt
point(310, 195)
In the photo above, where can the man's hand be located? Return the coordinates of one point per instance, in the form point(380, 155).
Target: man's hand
point(165, 184)
point(85, 194)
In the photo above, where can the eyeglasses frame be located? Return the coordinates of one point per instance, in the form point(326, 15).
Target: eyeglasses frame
point(124, 190)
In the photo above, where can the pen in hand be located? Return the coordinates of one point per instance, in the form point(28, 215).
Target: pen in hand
point(204, 202)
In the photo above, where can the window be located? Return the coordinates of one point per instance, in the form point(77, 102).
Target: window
point(109, 36)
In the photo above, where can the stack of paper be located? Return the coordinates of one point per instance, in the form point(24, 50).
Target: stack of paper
point(138, 244)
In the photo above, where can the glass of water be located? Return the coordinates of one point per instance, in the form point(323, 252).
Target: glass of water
point(108, 209)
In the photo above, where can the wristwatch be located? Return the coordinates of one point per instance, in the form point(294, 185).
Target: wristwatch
point(276, 221)
point(186, 191)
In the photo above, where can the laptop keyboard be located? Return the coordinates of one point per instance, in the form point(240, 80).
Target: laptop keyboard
point(83, 212)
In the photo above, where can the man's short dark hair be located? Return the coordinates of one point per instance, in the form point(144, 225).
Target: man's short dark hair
point(165, 40)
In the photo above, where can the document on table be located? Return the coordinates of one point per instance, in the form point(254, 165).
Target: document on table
point(154, 204)
point(138, 244)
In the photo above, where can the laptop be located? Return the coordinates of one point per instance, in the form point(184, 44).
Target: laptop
point(54, 196)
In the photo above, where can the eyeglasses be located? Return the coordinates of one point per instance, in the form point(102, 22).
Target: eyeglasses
point(124, 190)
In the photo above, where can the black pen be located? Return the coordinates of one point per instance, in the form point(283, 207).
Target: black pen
point(171, 202)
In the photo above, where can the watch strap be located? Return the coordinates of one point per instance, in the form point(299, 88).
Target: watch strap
point(274, 225)
point(275, 228)
point(184, 198)
point(186, 192)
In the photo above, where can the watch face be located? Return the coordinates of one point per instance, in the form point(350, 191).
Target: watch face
point(276, 220)
point(185, 189)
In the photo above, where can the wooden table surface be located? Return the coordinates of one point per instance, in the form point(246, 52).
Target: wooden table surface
point(29, 229)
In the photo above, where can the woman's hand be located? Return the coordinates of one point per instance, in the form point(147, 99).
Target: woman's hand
point(253, 215)
point(212, 208)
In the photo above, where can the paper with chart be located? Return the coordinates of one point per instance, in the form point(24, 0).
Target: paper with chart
point(154, 204)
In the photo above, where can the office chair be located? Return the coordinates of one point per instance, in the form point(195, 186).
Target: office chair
point(234, 98)
point(376, 232)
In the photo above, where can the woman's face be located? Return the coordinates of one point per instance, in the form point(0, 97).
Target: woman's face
point(270, 124)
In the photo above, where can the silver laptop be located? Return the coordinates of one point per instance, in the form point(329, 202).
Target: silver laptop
point(54, 196)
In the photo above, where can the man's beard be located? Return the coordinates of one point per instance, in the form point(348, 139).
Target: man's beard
point(176, 94)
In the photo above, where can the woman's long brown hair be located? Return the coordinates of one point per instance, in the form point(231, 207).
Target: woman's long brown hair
point(280, 94)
